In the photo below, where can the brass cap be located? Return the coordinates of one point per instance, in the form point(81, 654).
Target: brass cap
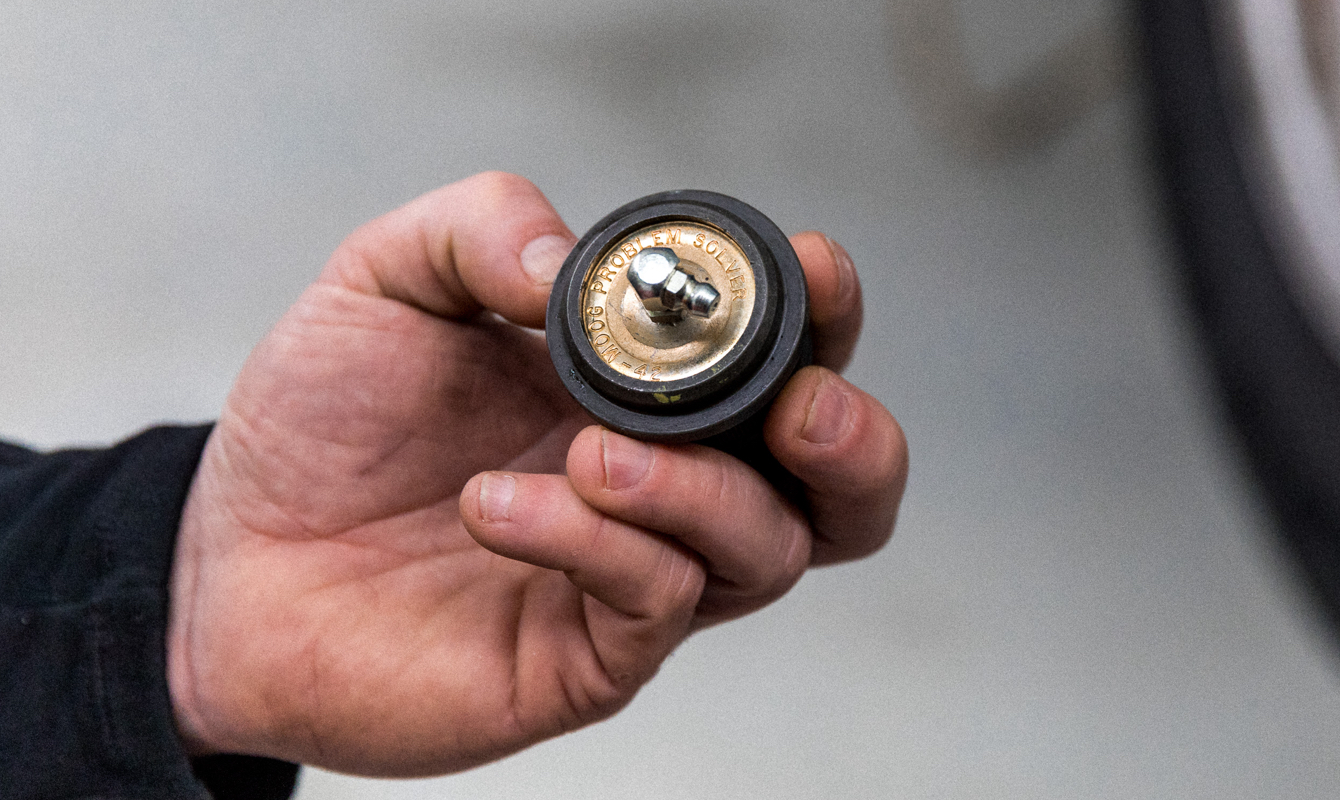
point(659, 343)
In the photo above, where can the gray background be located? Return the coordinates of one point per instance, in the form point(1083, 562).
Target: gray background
point(1083, 599)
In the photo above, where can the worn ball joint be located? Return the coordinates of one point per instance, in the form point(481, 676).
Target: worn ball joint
point(678, 318)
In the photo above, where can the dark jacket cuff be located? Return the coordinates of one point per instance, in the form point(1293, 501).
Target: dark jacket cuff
point(86, 540)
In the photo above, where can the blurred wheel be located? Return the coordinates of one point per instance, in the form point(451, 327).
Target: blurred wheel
point(1244, 95)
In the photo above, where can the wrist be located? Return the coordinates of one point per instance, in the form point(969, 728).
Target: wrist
point(182, 638)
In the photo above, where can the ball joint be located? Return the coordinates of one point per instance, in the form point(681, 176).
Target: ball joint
point(679, 317)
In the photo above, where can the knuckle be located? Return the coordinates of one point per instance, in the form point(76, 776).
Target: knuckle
point(499, 185)
point(874, 455)
point(793, 558)
point(793, 554)
point(722, 485)
point(594, 534)
point(678, 584)
point(683, 484)
point(890, 460)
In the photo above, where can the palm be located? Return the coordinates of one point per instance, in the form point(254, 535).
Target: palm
point(400, 409)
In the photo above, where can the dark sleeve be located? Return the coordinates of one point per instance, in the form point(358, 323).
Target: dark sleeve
point(86, 541)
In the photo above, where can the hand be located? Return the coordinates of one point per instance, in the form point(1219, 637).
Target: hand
point(350, 589)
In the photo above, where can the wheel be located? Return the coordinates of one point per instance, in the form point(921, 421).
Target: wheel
point(1243, 96)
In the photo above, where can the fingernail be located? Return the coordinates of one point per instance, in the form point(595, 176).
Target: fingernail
point(846, 270)
point(626, 460)
point(495, 496)
point(829, 414)
point(542, 258)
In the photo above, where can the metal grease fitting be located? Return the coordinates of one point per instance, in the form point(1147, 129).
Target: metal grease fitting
point(666, 289)
point(679, 317)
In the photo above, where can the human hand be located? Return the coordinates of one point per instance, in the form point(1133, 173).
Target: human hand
point(352, 589)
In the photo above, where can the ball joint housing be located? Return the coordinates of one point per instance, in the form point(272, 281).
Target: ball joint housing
point(679, 317)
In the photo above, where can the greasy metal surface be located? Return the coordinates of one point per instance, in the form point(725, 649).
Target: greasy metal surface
point(619, 327)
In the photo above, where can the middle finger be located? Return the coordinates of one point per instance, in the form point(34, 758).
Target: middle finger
point(756, 545)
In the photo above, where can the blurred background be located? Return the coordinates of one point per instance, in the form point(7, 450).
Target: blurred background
point(1085, 597)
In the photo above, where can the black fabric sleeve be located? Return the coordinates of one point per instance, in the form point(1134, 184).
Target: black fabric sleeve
point(86, 540)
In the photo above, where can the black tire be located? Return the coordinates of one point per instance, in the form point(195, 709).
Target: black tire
point(1279, 380)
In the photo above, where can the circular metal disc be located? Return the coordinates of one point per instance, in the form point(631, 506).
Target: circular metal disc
point(623, 334)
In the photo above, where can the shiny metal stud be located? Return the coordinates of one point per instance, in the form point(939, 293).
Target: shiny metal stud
point(667, 291)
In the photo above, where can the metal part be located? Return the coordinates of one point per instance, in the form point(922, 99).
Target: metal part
point(691, 378)
point(651, 338)
point(667, 291)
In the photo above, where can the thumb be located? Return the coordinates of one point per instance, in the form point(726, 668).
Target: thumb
point(491, 241)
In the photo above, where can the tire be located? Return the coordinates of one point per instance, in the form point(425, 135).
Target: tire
point(1275, 363)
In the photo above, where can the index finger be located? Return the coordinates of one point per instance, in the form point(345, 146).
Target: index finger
point(491, 241)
